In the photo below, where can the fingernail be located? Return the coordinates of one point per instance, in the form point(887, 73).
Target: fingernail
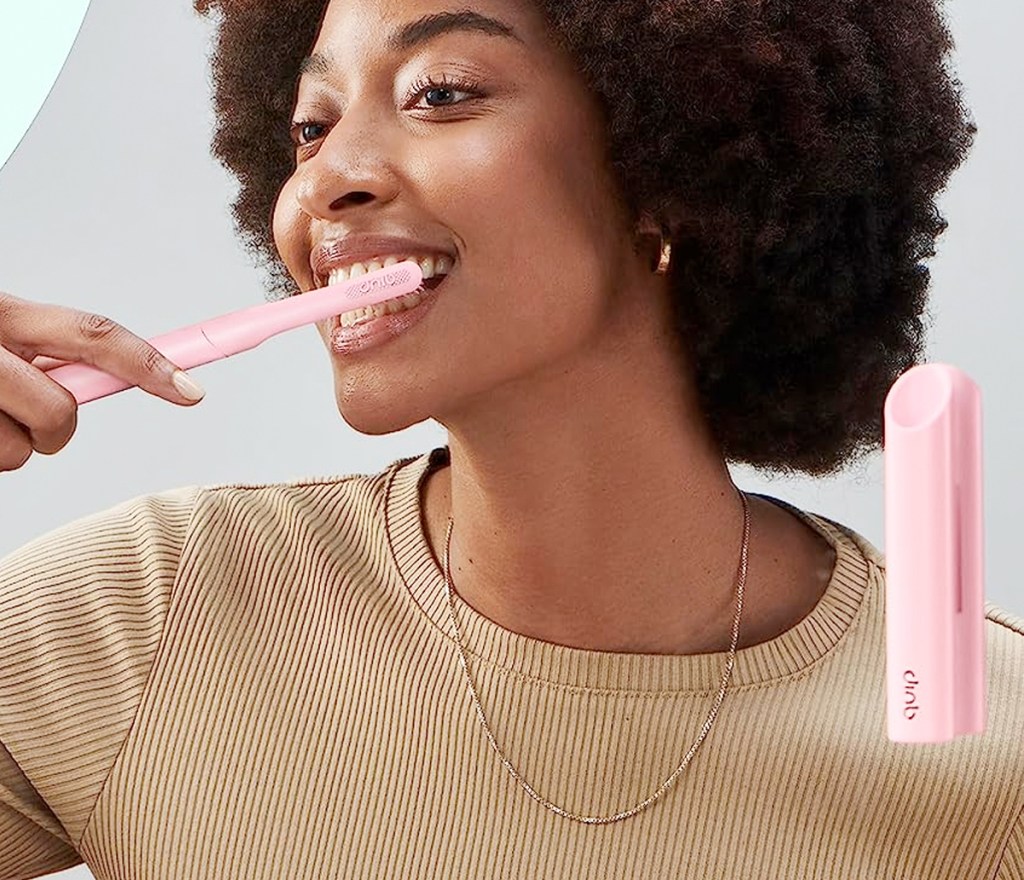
point(187, 385)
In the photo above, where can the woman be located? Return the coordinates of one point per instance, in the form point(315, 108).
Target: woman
point(672, 235)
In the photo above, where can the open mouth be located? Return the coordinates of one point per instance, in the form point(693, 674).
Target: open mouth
point(391, 311)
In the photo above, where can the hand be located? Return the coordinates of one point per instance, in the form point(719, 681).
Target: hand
point(39, 414)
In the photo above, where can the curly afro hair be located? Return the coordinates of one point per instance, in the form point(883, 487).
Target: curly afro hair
point(792, 152)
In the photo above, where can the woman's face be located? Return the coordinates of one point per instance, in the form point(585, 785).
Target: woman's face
point(501, 164)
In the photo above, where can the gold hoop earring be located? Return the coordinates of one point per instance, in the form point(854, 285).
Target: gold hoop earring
point(665, 257)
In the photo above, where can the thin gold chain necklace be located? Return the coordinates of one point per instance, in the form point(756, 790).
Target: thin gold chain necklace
point(625, 814)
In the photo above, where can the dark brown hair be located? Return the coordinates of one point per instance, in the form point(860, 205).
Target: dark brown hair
point(792, 150)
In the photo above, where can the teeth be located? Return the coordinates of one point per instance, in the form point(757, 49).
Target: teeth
point(430, 266)
point(357, 316)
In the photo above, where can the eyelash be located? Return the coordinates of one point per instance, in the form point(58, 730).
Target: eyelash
point(421, 86)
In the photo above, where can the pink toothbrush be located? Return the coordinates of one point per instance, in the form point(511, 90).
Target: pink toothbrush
point(223, 336)
point(934, 553)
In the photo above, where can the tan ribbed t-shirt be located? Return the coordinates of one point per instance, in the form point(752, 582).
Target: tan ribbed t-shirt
point(262, 682)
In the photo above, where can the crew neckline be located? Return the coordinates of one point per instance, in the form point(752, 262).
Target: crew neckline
point(788, 654)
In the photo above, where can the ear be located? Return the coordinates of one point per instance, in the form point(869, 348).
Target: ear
point(648, 225)
point(647, 236)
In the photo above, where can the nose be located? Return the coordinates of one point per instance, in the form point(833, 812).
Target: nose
point(349, 168)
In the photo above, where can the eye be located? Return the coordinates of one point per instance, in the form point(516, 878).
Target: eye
point(299, 127)
point(444, 87)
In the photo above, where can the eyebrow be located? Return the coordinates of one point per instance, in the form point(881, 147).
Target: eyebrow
point(419, 31)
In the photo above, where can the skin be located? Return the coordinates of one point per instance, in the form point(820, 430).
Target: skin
point(591, 507)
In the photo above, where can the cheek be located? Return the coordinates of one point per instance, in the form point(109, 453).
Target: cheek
point(515, 195)
point(290, 232)
point(541, 215)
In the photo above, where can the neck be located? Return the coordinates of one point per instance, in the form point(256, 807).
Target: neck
point(598, 553)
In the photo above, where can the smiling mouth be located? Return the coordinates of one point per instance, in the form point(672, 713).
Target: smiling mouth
point(391, 308)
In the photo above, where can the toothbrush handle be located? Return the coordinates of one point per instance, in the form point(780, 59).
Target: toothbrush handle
point(188, 347)
point(230, 334)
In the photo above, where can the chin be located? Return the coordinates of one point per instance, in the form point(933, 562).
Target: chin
point(376, 414)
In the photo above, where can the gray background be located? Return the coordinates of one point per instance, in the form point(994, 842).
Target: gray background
point(112, 204)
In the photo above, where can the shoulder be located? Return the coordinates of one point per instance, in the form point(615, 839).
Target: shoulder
point(286, 511)
point(1013, 623)
point(1004, 644)
point(996, 753)
point(82, 609)
point(1007, 624)
point(1004, 632)
point(136, 540)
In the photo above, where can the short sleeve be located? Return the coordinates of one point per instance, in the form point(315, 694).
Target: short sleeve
point(82, 612)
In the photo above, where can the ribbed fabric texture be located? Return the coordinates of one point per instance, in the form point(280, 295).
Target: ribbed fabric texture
point(262, 682)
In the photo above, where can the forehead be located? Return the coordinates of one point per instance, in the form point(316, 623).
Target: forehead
point(396, 26)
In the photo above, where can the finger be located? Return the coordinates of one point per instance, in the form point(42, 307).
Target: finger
point(44, 363)
point(86, 337)
point(45, 409)
point(15, 445)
